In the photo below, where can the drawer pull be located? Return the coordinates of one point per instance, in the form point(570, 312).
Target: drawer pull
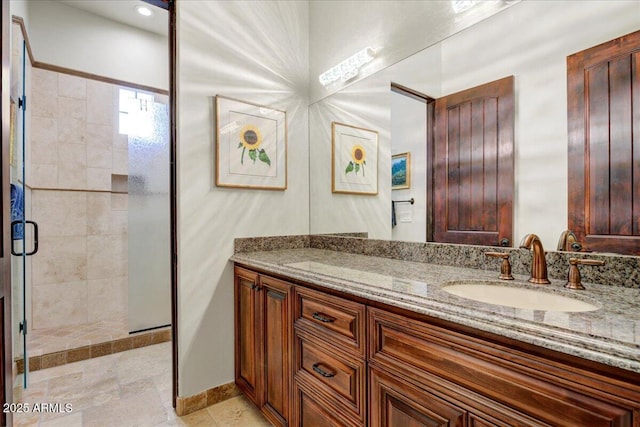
point(323, 317)
point(316, 367)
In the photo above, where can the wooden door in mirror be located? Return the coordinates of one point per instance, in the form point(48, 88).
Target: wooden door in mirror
point(604, 145)
point(473, 165)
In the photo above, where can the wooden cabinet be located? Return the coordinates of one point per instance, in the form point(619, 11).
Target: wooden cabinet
point(263, 343)
point(311, 410)
point(395, 403)
point(506, 384)
point(246, 332)
point(310, 358)
point(335, 320)
point(329, 356)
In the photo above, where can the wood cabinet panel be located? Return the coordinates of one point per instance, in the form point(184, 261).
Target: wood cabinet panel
point(547, 392)
point(332, 319)
point(277, 337)
point(395, 403)
point(342, 378)
point(247, 342)
point(312, 411)
point(476, 421)
point(264, 336)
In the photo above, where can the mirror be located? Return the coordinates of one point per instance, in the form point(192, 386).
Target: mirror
point(529, 40)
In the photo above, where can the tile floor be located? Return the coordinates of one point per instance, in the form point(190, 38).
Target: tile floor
point(128, 389)
point(50, 340)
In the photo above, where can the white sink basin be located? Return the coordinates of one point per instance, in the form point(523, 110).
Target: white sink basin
point(511, 296)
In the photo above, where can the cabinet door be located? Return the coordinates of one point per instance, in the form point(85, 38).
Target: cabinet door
point(246, 331)
point(277, 332)
point(395, 403)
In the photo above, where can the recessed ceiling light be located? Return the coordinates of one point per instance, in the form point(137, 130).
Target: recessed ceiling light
point(144, 11)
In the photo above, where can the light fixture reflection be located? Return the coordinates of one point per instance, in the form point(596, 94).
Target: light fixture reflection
point(144, 11)
point(462, 5)
point(348, 69)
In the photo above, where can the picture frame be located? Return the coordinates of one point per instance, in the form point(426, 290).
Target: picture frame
point(251, 145)
point(354, 159)
point(401, 171)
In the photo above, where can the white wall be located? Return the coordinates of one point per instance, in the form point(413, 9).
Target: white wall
point(521, 41)
point(409, 134)
point(253, 51)
point(366, 105)
point(339, 29)
point(68, 37)
point(19, 8)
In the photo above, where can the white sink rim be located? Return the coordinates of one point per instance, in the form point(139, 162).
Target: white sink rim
point(518, 297)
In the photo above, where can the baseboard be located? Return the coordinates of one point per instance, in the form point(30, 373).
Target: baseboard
point(190, 404)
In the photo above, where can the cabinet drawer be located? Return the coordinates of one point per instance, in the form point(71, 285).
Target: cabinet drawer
point(339, 377)
point(312, 410)
point(541, 391)
point(331, 318)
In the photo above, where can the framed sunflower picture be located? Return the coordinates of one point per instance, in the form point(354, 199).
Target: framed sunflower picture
point(354, 153)
point(251, 145)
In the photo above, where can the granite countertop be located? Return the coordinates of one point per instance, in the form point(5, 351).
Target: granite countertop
point(609, 335)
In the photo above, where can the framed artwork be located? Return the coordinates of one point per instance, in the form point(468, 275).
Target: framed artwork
point(251, 145)
point(401, 171)
point(354, 160)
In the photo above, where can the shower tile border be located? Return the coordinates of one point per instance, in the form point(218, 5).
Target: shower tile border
point(63, 357)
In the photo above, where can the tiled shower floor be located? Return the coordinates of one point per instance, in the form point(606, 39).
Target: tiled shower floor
point(50, 340)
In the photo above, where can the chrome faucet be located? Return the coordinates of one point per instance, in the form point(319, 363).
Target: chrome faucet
point(538, 263)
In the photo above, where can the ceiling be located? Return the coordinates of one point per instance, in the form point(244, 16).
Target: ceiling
point(124, 11)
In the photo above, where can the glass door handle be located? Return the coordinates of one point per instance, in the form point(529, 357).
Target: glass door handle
point(35, 237)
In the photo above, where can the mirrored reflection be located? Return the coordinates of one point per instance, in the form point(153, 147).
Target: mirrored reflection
point(530, 41)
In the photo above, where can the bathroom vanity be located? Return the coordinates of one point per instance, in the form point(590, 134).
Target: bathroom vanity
point(334, 338)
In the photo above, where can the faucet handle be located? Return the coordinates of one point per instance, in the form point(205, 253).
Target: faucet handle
point(574, 281)
point(505, 268)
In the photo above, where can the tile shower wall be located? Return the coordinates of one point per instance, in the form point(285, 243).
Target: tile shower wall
point(80, 272)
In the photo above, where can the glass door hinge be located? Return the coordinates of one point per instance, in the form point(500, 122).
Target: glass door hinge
point(23, 327)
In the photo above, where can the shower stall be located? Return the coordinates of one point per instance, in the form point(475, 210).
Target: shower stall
point(90, 175)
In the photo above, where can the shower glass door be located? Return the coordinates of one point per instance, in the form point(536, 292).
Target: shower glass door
point(149, 216)
point(24, 233)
